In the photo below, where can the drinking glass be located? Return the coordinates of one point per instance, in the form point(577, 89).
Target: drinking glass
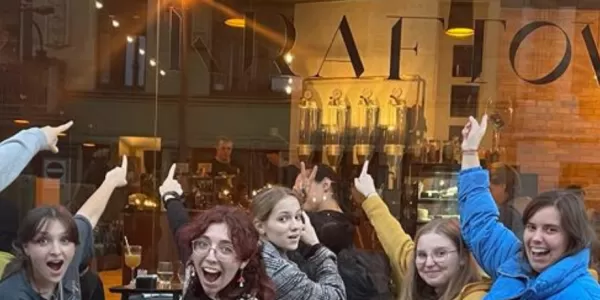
point(133, 258)
point(181, 272)
point(165, 274)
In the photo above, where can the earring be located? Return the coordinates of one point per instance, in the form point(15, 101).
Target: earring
point(241, 280)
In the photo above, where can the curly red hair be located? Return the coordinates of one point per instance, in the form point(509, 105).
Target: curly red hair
point(245, 241)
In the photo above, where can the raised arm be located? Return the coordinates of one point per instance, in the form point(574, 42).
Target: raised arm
point(398, 245)
point(17, 151)
point(171, 194)
point(94, 207)
point(488, 239)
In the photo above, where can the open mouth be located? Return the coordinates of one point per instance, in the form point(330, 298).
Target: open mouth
point(211, 275)
point(55, 265)
point(539, 252)
point(294, 237)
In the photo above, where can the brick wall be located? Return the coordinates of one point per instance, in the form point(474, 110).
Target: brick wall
point(554, 130)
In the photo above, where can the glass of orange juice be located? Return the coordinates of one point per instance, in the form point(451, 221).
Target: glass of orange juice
point(133, 258)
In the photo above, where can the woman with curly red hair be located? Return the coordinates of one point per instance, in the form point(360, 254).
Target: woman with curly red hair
point(219, 248)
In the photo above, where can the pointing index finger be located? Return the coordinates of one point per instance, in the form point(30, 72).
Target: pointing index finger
point(171, 174)
point(64, 127)
point(365, 168)
point(124, 163)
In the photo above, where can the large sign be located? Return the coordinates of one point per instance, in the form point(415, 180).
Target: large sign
point(396, 49)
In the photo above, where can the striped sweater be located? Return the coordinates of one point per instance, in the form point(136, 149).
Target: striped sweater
point(293, 284)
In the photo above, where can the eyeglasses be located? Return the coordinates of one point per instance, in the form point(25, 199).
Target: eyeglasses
point(223, 252)
point(438, 256)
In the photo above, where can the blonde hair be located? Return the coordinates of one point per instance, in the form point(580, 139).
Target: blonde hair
point(415, 287)
point(264, 202)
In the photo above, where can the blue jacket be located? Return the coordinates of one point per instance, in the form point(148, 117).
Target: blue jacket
point(498, 251)
point(17, 151)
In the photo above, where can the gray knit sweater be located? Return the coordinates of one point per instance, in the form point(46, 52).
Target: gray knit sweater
point(293, 284)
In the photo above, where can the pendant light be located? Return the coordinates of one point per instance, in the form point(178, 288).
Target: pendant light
point(460, 20)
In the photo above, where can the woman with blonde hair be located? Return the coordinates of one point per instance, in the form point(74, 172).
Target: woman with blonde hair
point(282, 224)
point(436, 265)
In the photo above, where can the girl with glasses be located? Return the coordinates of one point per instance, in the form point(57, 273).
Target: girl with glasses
point(436, 265)
point(220, 250)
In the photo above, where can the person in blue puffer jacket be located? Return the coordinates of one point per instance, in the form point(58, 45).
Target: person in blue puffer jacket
point(553, 259)
point(17, 151)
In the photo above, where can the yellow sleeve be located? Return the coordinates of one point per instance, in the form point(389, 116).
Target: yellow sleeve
point(397, 244)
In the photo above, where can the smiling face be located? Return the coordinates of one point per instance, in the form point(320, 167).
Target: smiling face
point(50, 252)
point(215, 259)
point(544, 238)
point(437, 259)
point(284, 225)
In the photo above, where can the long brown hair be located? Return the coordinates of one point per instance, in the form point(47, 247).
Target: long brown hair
point(244, 238)
point(415, 287)
point(573, 218)
point(35, 221)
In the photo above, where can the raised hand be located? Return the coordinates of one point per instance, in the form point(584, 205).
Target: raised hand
point(52, 133)
point(473, 132)
point(118, 175)
point(304, 179)
point(309, 235)
point(364, 182)
point(170, 185)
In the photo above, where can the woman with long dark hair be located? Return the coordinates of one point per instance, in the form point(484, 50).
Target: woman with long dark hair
point(220, 250)
point(51, 245)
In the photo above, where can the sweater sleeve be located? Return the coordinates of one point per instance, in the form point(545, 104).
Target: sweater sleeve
point(397, 244)
point(16, 152)
point(293, 284)
point(177, 216)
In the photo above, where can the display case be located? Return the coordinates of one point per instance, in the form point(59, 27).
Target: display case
point(431, 192)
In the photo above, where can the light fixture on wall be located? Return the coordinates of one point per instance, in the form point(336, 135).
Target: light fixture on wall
point(236, 22)
point(460, 19)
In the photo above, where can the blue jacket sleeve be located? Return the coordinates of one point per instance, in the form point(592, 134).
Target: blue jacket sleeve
point(488, 239)
point(16, 152)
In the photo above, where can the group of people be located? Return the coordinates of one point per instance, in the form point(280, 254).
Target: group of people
point(232, 254)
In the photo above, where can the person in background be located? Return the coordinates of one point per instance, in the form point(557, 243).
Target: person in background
point(282, 224)
point(326, 207)
point(9, 225)
point(435, 265)
point(220, 249)
point(222, 163)
point(17, 151)
point(552, 259)
point(505, 186)
point(51, 245)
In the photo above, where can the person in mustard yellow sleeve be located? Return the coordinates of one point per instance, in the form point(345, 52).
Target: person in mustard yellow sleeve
point(437, 266)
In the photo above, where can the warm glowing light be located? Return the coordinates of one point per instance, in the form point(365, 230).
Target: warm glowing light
point(290, 80)
point(129, 39)
point(21, 122)
point(460, 32)
point(288, 90)
point(163, 73)
point(142, 52)
point(89, 145)
point(99, 5)
point(153, 62)
point(288, 57)
point(115, 23)
point(236, 22)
